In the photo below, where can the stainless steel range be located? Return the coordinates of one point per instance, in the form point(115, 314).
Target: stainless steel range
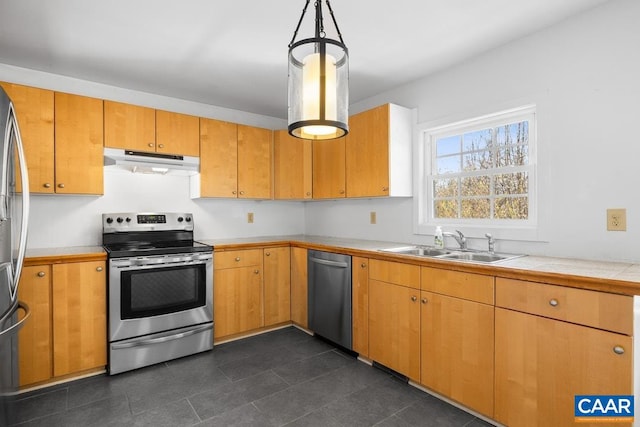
point(160, 289)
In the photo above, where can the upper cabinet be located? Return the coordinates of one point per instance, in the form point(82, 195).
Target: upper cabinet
point(177, 133)
point(373, 160)
point(292, 174)
point(34, 108)
point(138, 128)
point(378, 153)
point(235, 161)
point(78, 144)
point(129, 126)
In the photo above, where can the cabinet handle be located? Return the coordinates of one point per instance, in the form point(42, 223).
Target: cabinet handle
point(41, 274)
point(160, 145)
point(241, 193)
point(363, 265)
point(98, 269)
point(47, 185)
point(308, 193)
point(341, 191)
point(424, 300)
point(414, 298)
point(553, 302)
point(151, 144)
point(385, 188)
point(234, 192)
point(256, 271)
point(237, 258)
point(618, 349)
point(268, 253)
point(60, 185)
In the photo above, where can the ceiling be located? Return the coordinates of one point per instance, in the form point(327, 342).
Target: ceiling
point(234, 53)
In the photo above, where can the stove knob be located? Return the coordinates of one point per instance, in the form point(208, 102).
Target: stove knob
point(188, 219)
point(119, 220)
point(109, 220)
point(128, 219)
point(180, 219)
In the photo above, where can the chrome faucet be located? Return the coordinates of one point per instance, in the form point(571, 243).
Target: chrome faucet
point(491, 241)
point(462, 241)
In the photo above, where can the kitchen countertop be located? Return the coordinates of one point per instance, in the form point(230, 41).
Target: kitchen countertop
point(608, 276)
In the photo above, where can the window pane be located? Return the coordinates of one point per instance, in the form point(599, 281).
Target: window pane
point(512, 183)
point(445, 187)
point(512, 208)
point(448, 164)
point(448, 145)
point(476, 186)
point(514, 133)
point(512, 155)
point(445, 209)
point(478, 140)
point(476, 208)
point(478, 160)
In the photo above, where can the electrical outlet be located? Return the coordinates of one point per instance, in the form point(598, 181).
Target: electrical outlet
point(372, 217)
point(616, 219)
point(250, 217)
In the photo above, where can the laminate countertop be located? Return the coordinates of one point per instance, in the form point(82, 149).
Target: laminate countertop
point(41, 256)
point(608, 276)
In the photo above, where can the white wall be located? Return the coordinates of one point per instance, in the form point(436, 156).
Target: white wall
point(58, 221)
point(584, 76)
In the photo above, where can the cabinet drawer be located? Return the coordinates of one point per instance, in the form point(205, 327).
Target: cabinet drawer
point(591, 308)
point(233, 259)
point(395, 272)
point(474, 287)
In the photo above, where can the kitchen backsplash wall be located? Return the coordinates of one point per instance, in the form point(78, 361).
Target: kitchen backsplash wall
point(58, 221)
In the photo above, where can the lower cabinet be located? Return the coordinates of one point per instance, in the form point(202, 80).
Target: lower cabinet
point(237, 292)
point(360, 305)
point(299, 277)
point(67, 332)
point(394, 316)
point(251, 289)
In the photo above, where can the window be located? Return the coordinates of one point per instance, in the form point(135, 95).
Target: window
point(480, 172)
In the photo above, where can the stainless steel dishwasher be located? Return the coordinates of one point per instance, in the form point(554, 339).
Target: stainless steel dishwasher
point(329, 296)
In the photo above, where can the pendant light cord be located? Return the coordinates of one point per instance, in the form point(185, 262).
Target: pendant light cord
point(295, 33)
point(334, 21)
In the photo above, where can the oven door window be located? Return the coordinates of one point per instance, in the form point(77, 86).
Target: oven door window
point(152, 292)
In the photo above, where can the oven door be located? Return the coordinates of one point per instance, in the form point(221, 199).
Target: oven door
point(159, 293)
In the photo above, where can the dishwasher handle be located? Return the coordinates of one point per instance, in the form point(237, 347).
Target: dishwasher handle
point(330, 263)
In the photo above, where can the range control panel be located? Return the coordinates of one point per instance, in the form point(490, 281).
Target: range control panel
point(144, 221)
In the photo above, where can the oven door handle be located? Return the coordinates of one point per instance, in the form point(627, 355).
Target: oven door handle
point(162, 339)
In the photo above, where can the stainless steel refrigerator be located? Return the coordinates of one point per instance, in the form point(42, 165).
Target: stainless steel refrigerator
point(14, 215)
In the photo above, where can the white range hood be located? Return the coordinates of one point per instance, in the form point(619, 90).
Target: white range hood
point(156, 163)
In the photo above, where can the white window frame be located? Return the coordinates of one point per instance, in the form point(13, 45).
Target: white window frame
point(425, 222)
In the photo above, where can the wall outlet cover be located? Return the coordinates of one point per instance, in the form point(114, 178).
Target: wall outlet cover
point(616, 219)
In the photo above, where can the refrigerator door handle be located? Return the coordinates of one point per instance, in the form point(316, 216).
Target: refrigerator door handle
point(5, 270)
point(24, 176)
point(14, 328)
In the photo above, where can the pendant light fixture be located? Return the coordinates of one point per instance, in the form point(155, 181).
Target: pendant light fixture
point(318, 82)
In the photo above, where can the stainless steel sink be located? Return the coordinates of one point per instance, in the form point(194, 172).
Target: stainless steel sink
point(453, 255)
point(418, 251)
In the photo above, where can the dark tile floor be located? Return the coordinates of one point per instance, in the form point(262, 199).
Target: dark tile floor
point(285, 377)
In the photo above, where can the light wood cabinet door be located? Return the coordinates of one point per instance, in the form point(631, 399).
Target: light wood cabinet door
point(254, 162)
point(299, 277)
point(79, 317)
point(457, 347)
point(129, 126)
point(360, 305)
point(34, 109)
point(541, 364)
point(218, 158)
point(79, 144)
point(35, 337)
point(237, 300)
point(329, 169)
point(394, 327)
point(367, 153)
point(292, 167)
point(277, 285)
point(177, 133)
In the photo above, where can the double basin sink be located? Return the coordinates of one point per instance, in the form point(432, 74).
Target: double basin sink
point(451, 254)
